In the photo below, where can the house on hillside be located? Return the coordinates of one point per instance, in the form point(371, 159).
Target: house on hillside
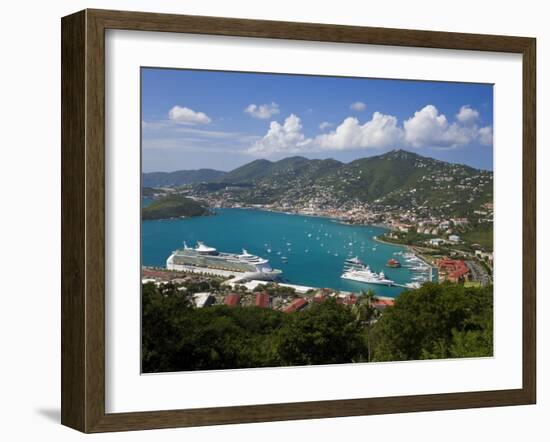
point(436, 242)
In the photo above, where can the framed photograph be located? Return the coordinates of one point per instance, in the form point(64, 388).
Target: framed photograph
point(267, 221)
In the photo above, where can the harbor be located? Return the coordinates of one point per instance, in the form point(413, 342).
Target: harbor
point(309, 251)
point(354, 276)
point(232, 288)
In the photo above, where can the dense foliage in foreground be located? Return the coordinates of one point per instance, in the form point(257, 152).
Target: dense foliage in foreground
point(432, 322)
point(436, 321)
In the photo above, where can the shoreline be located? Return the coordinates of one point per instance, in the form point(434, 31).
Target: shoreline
point(381, 241)
point(301, 290)
point(332, 219)
point(410, 249)
point(336, 219)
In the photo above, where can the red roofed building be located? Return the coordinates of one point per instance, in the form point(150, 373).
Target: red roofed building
point(383, 303)
point(295, 305)
point(262, 300)
point(319, 297)
point(350, 300)
point(454, 270)
point(232, 300)
point(347, 300)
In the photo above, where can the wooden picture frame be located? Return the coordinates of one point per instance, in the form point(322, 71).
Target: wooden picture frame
point(83, 220)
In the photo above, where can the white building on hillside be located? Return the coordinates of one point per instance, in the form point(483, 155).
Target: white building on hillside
point(454, 238)
point(436, 242)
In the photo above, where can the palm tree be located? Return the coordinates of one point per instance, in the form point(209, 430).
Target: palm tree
point(367, 314)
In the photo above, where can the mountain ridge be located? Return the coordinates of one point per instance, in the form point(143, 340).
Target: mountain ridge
point(207, 174)
point(179, 177)
point(396, 179)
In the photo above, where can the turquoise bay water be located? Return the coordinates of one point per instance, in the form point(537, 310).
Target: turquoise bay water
point(314, 247)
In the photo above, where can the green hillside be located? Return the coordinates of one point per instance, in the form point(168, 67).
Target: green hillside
point(405, 179)
point(397, 179)
point(250, 172)
point(149, 191)
point(173, 206)
point(291, 168)
point(179, 177)
point(370, 178)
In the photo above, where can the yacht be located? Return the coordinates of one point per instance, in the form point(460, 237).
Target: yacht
point(354, 270)
point(353, 263)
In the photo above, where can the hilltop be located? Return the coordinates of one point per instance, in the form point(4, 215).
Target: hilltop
point(179, 177)
point(282, 170)
point(396, 180)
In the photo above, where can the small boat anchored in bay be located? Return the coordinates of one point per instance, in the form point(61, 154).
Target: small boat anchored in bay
point(394, 263)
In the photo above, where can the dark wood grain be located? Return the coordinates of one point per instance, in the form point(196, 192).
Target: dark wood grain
point(529, 220)
point(308, 410)
point(73, 292)
point(145, 21)
point(83, 219)
point(95, 222)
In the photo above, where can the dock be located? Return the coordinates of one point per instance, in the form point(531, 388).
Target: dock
point(252, 284)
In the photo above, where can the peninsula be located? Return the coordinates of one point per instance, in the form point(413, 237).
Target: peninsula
point(174, 206)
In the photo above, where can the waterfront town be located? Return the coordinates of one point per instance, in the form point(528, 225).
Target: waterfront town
point(213, 288)
point(458, 247)
point(437, 243)
point(205, 290)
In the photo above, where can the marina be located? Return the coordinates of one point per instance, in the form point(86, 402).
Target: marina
point(356, 270)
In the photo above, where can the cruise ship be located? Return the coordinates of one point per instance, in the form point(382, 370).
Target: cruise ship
point(209, 260)
point(355, 270)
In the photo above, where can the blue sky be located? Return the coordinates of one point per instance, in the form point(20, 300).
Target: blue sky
point(210, 119)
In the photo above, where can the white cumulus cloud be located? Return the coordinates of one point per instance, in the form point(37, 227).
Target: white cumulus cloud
point(467, 115)
point(262, 111)
point(429, 128)
point(380, 131)
point(486, 135)
point(358, 106)
point(184, 115)
point(287, 137)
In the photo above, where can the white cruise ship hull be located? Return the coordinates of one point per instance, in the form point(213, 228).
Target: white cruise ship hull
point(267, 275)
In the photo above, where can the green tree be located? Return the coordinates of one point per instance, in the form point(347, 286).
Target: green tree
point(159, 331)
point(436, 321)
point(367, 314)
point(325, 333)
